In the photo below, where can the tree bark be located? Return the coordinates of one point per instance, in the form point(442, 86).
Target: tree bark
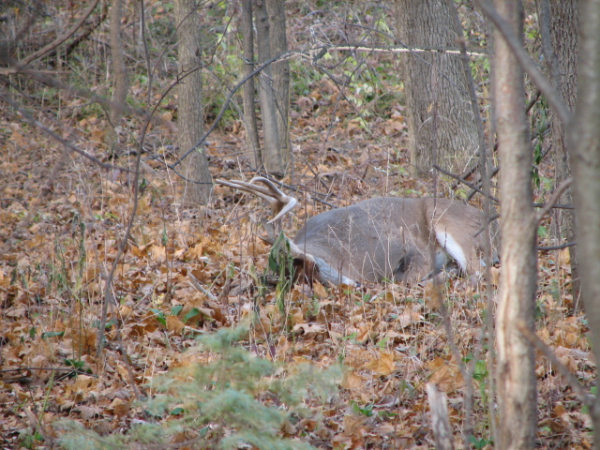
point(274, 159)
point(119, 70)
point(559, 22)
point(584, 140)
point(281, 74)
point(190, 109)
point(249, 88)
point(442, 129)
point(516, 364)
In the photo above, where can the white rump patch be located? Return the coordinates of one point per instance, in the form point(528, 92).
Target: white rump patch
point(452, 248)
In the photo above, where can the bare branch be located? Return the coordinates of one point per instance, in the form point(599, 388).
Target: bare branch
point(466, 183)
point(62, 38)
point(55, 136)
point(554, 198)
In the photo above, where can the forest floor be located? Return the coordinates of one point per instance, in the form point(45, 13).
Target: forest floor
point(190, 271)
point(61, 221)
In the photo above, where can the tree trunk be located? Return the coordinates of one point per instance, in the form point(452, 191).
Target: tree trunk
point(442, 129)
point(119, 71)
point(584, 141)
point(516, 363)
point(249, 103)
point(274, 159)
point(281, 73)
point(190, 109)
point(559, 23)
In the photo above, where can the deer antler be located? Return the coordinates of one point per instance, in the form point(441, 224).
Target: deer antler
point(280, 203)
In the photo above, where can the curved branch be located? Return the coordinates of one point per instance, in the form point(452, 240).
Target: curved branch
point(62, 38)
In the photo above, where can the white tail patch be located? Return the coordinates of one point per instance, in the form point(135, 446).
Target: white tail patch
point(452, 247)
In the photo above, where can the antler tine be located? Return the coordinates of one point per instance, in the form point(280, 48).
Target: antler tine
point(285, 202)
point(259, 191)
point(280, 203)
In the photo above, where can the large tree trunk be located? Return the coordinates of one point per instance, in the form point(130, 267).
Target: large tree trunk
point(281, 73)
point(275, 158)
point(584, 141)
point(190, 109)
point(560, 23)
point(516, 363)
point(442, 129)
point(249, 104)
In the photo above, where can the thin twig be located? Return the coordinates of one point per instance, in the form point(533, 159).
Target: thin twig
point(196, 283)
point(554, 198)
point(466, 183)
point(556, 247)
point(404, 49)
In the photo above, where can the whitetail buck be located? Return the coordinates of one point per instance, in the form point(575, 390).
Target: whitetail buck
point(380, 239)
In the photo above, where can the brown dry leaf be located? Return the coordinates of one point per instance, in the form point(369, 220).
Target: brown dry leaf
point(353, 424)
point(85, 383)
point(119, 407)
point(88, 412)
point(447, 376)
point(319, 290)
point(85, 340)
point(564, 257)
point(296, 316)
point(352, 381)
point(158, 252)
point(174, 324)
point(394, 126)
point(123, 371)
point(408, 318)
point(309, 329)
point(383, 364)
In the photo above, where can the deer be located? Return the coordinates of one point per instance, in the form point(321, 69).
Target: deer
point(379, 239)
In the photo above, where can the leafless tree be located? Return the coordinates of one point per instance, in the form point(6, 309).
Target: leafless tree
point(119, 71)
point(584, 140)
point(273, 85)
point(516, 363)
point(190, 109)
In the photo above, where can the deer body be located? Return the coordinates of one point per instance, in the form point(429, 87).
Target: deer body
point(394, 238)
point(381, 239)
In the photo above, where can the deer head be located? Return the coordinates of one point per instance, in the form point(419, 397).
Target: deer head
point(379, 239)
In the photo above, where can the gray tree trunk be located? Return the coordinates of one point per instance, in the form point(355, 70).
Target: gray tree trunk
point(442, 129)
point(275, 158)
point(516, 363)
point(119, 71)
point(584, 140)
point(190, 109)
point(281, 73)
point(249, 103)
point(560, 24)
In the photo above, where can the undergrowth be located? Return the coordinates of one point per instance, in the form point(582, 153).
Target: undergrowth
point(224, 397)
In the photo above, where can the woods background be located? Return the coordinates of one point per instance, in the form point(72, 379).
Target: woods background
point(117, 250)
